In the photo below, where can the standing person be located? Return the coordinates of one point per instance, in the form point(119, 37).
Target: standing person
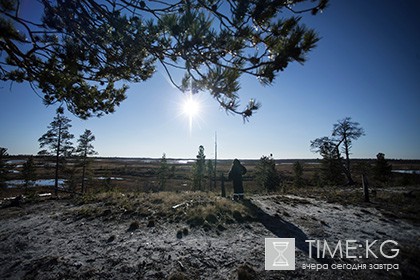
point(235, 174)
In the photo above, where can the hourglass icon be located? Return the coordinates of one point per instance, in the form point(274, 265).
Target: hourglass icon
point(280, 247)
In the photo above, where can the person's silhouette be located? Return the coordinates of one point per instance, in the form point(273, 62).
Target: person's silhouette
point(235, 174)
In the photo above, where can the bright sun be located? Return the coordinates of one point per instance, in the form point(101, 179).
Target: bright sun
point(191, 107)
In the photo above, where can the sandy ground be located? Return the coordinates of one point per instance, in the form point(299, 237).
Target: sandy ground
point(48, 240)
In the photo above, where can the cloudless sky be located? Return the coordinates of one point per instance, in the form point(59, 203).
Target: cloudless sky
point(366, 66)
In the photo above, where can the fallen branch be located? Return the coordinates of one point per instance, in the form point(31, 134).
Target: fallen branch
point(186, 203)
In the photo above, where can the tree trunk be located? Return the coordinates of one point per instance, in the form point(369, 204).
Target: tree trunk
point(83, 178)
point(223, 186)
point(347, 169)
point(57, 159)
point(84, 171)
point(365, 188)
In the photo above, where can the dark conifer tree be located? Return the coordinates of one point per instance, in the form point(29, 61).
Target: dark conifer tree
point(267, 174)
point(331, 162)
point(298, 174)
point(3, 155)
point(345, 131)
point(199, 169)
point(29, 172)
point(84, 150)
point(163, 172)
point(382, 169)
point(56, 141)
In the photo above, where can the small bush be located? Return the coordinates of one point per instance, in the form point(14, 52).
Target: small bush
point(133, 226)
point(211, 218)
point(267, 174)
point(196, 221)
point(238, 217)
point(246, 272)
point(177, 276)
point(151, 223)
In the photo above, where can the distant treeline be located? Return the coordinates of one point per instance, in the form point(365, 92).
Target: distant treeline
point(246, 161)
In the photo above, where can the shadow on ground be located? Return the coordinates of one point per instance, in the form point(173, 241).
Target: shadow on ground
point(284, 229)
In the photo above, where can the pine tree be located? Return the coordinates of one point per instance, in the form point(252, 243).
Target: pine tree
point(267, 174)
point(199, 169)
point(346, 131)
point(163, 172)
point(332, 167)
point(29, 172)
point(82, 52)
point(56, 141)
point(84, 150)
point(343, 134)
point(3, 154)
point(382, 169)
point(298, 173)
point(331, 163)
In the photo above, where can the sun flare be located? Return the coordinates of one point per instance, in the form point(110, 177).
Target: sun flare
point(191, 107)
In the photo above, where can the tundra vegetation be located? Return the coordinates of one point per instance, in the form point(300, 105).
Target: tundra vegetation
point(125, 206)
point(265, 176)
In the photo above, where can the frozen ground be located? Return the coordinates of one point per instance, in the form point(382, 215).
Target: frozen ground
point(51, 240)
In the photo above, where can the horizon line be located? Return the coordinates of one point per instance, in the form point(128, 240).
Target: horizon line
point(186, 158)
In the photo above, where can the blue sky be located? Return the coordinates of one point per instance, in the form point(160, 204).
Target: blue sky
point(366, 66)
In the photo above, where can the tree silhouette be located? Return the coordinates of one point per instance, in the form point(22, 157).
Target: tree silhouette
point(331, 163)
point(29, 172)
point(57, 141)
point(79, 52)
point(298, 173)
point(267, 174)
point(346, 131)
point(382, 169)
point(3, 155)
point(199, 169)
point(83, 150)
point(163, 172)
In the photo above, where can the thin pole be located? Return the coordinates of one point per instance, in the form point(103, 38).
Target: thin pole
point(365, 185)
point(215, 159)
point(57, 158)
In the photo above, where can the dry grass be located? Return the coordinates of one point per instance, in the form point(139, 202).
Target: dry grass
point(400, 203)
point(197, 209)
